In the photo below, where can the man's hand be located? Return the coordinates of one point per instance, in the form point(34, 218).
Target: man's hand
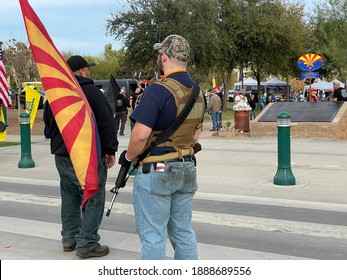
point(110, 160)
point(123, 160)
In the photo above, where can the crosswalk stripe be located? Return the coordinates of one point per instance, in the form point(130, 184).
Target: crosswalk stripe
point(264, 224)
point(208, 196)
point(114, 239)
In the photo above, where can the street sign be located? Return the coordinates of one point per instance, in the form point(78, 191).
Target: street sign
point(310, 62)
point(309, 75)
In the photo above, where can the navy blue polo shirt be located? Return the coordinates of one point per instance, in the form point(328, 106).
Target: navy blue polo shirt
point(157, 108)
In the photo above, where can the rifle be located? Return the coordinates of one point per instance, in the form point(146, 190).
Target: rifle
point(120, 183)
point(122, 177)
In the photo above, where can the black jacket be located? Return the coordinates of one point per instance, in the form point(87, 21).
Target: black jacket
point(251, 103)
point(104, 120)
point(122, 104)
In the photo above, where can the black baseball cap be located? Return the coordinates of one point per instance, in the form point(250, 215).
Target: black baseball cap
point(77, 62)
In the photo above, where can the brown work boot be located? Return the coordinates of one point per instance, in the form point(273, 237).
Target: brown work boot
point(98, 251)
point(69, 248)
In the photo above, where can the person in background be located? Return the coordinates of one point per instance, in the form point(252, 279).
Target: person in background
point(274, 98)
point(313, 96)
point(220, 94)
point(262, 101)
point(237, 98)
point(340, 94)
point(220, 115)
point(269, 97)
point(46, 132)
point(215, 110)
point(122, 105)
point(252, 104)
point(80, 226)
point(241, 97)
point(134, 100)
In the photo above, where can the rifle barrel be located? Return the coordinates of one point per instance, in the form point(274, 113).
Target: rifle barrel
point(112, 202)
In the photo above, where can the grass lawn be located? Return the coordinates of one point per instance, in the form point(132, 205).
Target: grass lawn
point(227, 115)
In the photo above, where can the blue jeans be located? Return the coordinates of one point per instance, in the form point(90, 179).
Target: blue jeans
point(262, 106)
point(252, 114)
point(219, 120)
point(215, 119)
point(163, 208)
point(80, 227)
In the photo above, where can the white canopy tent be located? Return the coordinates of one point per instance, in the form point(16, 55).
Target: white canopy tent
point(323, 85)
point(275, 82)
point(276, 85)
point(248, 82)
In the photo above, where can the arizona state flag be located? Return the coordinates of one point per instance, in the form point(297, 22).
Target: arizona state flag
point(69, 105)
point(32, 100)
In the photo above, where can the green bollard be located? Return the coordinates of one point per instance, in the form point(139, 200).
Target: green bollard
point(25, 161)
point(284, 175)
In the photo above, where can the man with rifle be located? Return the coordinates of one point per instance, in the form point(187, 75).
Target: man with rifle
point(166, 180)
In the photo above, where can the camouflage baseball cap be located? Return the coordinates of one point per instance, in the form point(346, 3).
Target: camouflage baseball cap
point(174, 46)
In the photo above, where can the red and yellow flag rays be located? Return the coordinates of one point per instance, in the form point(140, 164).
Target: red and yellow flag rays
point(69, 105)
point(310, 59)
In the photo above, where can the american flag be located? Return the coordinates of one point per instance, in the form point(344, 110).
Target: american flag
point(5, 98)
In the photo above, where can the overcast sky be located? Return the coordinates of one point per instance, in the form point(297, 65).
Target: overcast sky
point(73, 25)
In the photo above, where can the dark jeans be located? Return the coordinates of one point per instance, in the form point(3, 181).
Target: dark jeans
point(120, 118)
point(252, 114)
point(219, 120)
point(80, 227)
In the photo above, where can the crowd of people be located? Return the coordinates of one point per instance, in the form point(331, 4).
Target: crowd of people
point(257, 102)
point(338, 93)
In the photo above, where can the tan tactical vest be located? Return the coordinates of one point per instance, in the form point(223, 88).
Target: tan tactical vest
point(183, 138)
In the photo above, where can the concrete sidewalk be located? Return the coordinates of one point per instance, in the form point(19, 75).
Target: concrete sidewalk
point(236, 170)
point(244, 165)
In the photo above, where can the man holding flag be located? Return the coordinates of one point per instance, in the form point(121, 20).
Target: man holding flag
point(78, 233)
point(82, 134)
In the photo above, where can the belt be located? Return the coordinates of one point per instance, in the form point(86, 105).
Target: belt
point(147, 166)
point(185, 158)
